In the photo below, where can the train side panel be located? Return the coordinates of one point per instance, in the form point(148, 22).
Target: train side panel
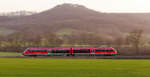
point(105, 51)
point(81, 51)
point(36, 51)
point(61, 51)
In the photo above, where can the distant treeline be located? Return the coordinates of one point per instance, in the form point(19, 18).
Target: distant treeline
point(131, 44)
point(18, 13)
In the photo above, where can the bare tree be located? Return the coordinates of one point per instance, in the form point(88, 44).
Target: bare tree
point(135, 39)
point(50, 39)
point(86, 39)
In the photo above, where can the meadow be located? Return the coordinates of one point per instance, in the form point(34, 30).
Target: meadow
point(44, 67)
point(10, 54)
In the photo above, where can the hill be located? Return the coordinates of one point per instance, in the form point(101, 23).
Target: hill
point(74, 18)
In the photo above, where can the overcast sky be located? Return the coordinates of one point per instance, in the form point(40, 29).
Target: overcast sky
point(99, 5)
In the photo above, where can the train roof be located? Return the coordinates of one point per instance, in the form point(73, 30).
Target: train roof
point(71, 47)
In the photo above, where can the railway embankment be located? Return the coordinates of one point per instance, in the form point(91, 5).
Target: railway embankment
point(81, 57)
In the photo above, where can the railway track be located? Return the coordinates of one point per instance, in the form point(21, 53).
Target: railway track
point(82, 57)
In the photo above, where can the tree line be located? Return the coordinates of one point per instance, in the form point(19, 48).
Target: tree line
point(129, 44)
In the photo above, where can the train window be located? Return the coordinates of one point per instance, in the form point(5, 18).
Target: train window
point(101, 50)
point(81, 50)
point(109, 50)
point(37, 50)
point(60, 50)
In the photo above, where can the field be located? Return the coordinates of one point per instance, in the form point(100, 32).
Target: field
point(10, 54)
point(36, 67)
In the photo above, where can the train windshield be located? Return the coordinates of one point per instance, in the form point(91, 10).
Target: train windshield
point(60, 50)
point(81, 50)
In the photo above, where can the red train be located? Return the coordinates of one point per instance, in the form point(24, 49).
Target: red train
point(69, 51)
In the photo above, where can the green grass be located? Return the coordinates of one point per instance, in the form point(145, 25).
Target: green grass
point(10, 54)
point(31, 67)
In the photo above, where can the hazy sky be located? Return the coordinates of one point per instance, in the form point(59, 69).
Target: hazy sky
point(99, 5)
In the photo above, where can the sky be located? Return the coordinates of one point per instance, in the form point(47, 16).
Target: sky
point(98, 5)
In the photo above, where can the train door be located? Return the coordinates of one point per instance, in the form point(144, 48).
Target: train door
point(92, 52)
point(49, 51)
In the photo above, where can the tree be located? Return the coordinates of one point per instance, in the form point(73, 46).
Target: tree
point(135, 39)
point(50, 39)
point(84, 38)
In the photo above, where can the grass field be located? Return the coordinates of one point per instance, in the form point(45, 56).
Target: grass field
point(10, 54)
point(31, 67)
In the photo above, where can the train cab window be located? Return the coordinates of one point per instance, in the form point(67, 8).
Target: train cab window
point(81, 50)
point(60, 50)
